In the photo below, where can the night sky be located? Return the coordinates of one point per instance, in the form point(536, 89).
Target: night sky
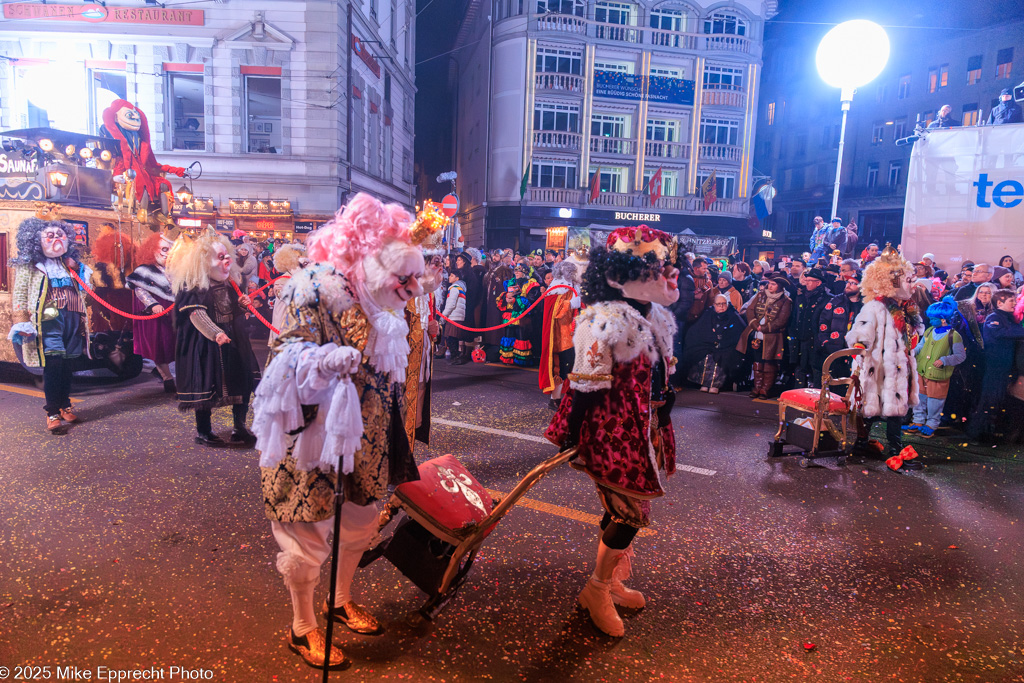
point(438, 25)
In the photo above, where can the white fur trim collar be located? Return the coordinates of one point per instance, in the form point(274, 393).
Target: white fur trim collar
point(628, 333)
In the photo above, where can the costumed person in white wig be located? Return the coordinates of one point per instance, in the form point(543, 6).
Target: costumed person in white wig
point(334, 393)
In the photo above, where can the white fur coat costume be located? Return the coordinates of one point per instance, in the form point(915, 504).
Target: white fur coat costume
point(888, 377)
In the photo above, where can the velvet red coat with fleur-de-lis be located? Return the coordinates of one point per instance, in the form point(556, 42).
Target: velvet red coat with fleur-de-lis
point(621, 446)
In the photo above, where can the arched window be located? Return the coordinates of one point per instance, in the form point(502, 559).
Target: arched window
point(726, 23)
point(670, 19)
point(575, 7)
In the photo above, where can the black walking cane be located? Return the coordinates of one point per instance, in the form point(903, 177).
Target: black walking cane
point(334, 570)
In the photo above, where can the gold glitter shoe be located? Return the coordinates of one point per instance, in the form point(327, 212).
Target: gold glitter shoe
point(311, 648)
point(357, 619)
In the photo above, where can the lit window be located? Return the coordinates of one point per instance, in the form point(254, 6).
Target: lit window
point(553, 174)
point(944, 75)
point(560, 61)
point(720, 132)
point(725, 183)
point(576, 7)
point(613, 179)
point(722, 78)
point(933, 79)
point(971, 114)
point(771, 113)
point(724, 22)
point(904, 87)
point(263, 114)
point(1004, 62)
point(552, 116)
point(877, 133)
point(973, 69)
point(186, 102)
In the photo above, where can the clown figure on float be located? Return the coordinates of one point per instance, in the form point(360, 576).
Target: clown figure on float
point(618, 405)
point(143, 174)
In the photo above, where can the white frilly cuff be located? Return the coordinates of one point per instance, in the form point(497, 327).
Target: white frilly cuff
point(293, 379)
point(17, 328)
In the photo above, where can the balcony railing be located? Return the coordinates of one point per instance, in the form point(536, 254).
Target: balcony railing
point(568, 23)
point(723, 98)
point(720, 152)
point(620, 32)
point(559, 82)
point(667, 150)
point(720, 41)
point(562, 196)
point(565, 23)
point(673, 39)
point(600, 144)
point(566, 196)
point(556, 139)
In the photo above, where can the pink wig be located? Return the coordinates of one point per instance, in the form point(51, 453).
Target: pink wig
point(359, 229)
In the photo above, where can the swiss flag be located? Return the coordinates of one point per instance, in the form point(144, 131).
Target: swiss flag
point(655, 187)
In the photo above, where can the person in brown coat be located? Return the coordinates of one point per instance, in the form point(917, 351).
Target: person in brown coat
point(767, 317)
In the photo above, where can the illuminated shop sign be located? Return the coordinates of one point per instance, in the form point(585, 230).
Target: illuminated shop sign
point(660, 89)
point(97, 14)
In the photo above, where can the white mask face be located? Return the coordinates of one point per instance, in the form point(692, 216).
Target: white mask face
point(162, 250)
point(663, 289)
point(54, 242)
point(220, 264)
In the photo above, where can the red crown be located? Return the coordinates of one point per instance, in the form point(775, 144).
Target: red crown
point(642, 239)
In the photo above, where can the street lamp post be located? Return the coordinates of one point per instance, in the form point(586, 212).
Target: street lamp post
point(850, 55)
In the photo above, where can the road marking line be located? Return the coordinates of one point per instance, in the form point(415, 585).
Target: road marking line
point(538, 439)
point(491, 430)
point(696, 470)
point(568, 513)
point(30, 392)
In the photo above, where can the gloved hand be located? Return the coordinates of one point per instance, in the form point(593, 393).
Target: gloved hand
point(343, 360)
point(21, 332)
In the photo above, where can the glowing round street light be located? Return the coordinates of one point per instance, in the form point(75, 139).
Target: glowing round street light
point(850, 55)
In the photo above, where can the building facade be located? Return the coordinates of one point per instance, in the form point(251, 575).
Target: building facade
point(288, 106)
point(799, 123)
point(565, 110)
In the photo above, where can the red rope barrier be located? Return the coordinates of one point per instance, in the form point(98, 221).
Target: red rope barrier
point(506, 324)
point(130, 316)
point(254, 311)
point(279, 277)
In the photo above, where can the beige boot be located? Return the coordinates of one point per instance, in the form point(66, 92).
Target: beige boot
point(596, 596)
point(621, 595)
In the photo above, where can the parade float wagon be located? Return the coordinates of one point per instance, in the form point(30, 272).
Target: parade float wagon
point(965, 195)
point(61, 175)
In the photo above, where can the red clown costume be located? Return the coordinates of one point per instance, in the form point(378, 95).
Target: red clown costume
point(616, 410)
point(128, 125)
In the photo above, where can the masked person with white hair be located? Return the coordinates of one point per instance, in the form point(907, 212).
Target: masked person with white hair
point(213, 362)
point(49, 316)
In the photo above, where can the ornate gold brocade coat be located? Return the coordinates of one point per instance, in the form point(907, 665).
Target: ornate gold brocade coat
point(384, 458)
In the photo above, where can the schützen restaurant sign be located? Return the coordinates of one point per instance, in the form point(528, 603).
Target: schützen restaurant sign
point(98, 14)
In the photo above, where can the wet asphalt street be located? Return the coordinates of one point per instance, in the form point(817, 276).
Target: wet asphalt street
point(124, 544)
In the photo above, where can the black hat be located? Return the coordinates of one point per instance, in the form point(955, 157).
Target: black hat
point(780, 279)
point(1005, 91)
point(815, 273)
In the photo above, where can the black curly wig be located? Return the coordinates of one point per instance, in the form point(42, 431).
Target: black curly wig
point(30, 248)
point(618, 266)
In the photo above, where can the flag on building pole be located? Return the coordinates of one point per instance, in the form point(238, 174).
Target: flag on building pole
point(595, 185)
point(709, 190)
point(525, 181)
point(654, 187)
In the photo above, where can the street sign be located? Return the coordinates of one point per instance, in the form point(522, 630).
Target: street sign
point(450, 205)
